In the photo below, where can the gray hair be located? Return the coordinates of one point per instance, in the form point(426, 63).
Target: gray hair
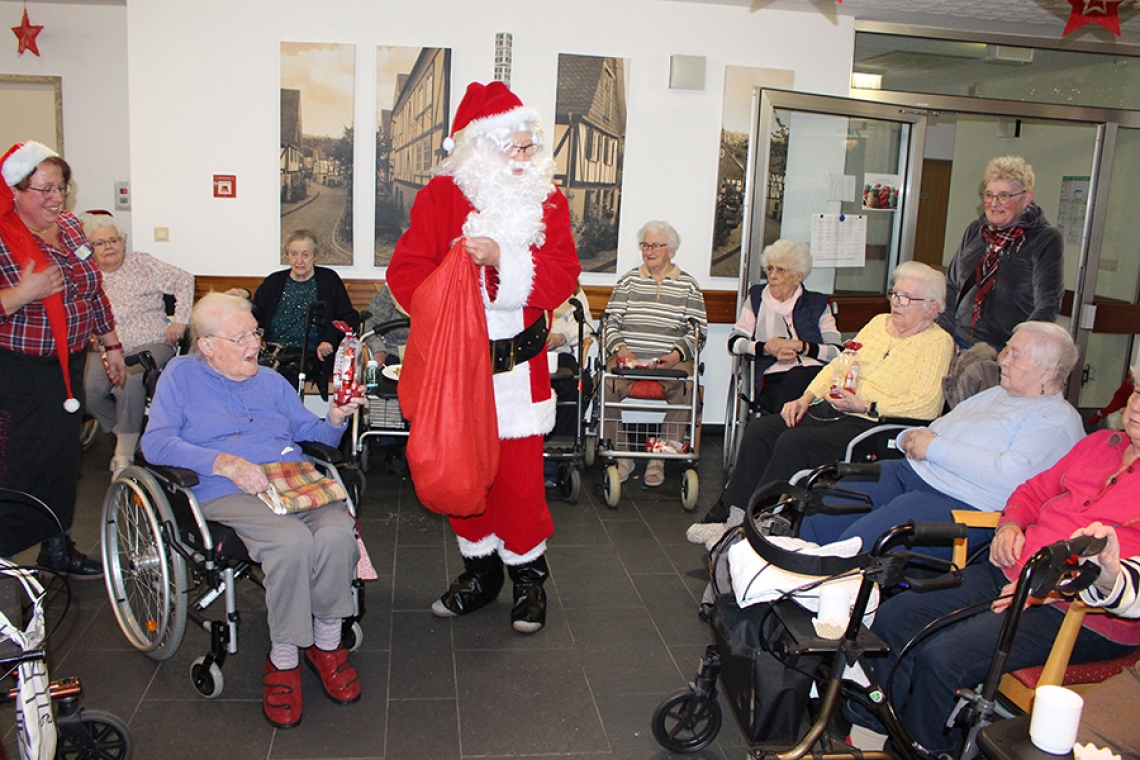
point(1051, 348)
point(94, 222)
point(931, 282)
point(790, 252)
point(673, 240)
point(296, 235)
point(211, 310)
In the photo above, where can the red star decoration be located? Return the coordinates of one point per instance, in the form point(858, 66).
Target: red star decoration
point(1103, 12)
point(26, 33)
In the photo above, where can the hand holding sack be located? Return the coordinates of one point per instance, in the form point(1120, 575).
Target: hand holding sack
point(447, 393)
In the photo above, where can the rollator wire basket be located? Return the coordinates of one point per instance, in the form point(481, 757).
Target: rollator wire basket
point(35, 720)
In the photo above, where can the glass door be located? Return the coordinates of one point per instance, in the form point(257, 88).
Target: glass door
point(821, 163)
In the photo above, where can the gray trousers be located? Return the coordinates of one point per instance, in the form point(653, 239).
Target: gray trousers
point(121, 411)
point(309, 561)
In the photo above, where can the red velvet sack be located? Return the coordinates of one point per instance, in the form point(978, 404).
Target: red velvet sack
point(446, 391)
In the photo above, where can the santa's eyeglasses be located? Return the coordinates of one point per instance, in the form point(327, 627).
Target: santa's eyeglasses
point(527, 150)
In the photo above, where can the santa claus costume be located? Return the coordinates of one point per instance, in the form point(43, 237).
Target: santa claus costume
point(497, 185)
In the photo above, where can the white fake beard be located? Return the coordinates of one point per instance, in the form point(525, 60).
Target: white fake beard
point(508, 209)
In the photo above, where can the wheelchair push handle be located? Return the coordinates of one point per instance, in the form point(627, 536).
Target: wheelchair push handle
point(1086, 546)
point(938, 532)
point(144, 358)
point(857, 469)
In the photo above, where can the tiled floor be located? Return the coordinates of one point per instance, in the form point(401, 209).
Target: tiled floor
point(622, 633)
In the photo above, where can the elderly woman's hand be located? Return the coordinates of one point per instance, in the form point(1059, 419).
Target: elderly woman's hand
point(174, 332)
point(483, 251)
point(915, 442)
point(1108, 559)
point(669, 360)
point(338, 413)
point(246, 475)
point(794, 411)
point(784, 349)
point(117, 368)
point(1007, 545)
point(625, 354)
point(555, 340)
point(324, 348)
point(848, 402)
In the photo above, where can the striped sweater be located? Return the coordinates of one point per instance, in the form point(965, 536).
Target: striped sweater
point(651, 318)
point(1125, 597)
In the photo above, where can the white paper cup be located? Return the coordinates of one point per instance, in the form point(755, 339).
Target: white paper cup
point(834, 604)
point(552, 361)
point(1056, 718)
point(401, 350)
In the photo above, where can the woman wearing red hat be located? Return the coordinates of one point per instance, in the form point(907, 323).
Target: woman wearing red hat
point(51, 301)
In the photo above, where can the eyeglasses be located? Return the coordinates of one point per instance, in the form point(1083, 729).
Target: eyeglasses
point(244, 338)
point(771, 269)
point(1000, 199)
point(48, 192)
point(902, 298)
point(105, 243)
point(652, 246)
point(527, 150)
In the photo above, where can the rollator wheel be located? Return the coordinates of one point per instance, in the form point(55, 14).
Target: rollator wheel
point(690, 489)
point(146, 578)
point(611, 486)
point(352, 636)
point(686, 722)
point(569, 483)
point(88, 432)
point(208, 681)
point(99, 736)
point(589, 450)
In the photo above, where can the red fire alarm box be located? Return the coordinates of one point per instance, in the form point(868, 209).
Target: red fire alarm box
point(225, 185)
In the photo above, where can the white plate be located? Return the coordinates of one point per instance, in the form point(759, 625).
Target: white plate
point(391, 371)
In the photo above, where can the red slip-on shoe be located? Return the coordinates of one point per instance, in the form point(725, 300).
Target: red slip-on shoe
point(338, 676)
point(281, 703)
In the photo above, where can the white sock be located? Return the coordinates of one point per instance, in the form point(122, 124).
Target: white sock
point(866, 739)
point(327, 634)
point(126, 444)
point(284, 656)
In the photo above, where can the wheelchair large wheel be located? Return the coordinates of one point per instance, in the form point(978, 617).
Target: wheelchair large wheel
point(686, 722)
point(95, 736)
point(146, 578)
point(611, 487)
point(735, 420)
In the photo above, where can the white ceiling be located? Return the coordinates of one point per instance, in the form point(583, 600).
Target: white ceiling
point(1038, 18)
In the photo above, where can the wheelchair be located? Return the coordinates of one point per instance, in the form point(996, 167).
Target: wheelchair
point(165, 564)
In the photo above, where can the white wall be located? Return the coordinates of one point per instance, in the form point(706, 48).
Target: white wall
point(85, 45)
point(205, 77)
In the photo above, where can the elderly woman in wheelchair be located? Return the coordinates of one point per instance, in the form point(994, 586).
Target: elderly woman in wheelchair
point(221, 415)
point(976, 455)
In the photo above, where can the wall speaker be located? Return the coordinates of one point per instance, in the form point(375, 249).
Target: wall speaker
point(687, 72)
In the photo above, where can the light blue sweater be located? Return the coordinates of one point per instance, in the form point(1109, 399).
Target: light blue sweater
point(993, 442)
point(198, 413)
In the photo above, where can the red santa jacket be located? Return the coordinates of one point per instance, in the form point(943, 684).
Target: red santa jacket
point(523, 399)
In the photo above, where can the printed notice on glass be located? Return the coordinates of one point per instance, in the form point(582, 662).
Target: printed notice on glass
point(838, 240)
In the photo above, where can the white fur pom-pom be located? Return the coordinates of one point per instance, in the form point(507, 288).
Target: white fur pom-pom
point(71, 405)
point(448, 144)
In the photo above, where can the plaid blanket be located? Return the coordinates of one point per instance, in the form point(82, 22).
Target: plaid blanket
point(298, 487)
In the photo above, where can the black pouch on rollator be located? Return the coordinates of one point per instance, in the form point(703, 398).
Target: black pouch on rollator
point(769, 695)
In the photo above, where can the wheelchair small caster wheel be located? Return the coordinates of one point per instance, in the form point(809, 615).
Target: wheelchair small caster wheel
point(611, 487)
point(686, 722)
point(352, 636)
point(690, 489)
point(589, 450)
point(96, 734)
point(209, 681)
point(569, 483)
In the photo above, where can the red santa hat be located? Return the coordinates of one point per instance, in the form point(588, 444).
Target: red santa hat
point(486, 107)
point(19, 162)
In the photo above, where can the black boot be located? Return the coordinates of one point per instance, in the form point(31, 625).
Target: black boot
point(529, 611)
point(478, 586)
point(59, 554)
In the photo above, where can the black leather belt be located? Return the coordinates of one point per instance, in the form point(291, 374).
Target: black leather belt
point(508, 352)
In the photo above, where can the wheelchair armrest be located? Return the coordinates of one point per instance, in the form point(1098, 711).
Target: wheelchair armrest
point(330, 454)
point(179, 476)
